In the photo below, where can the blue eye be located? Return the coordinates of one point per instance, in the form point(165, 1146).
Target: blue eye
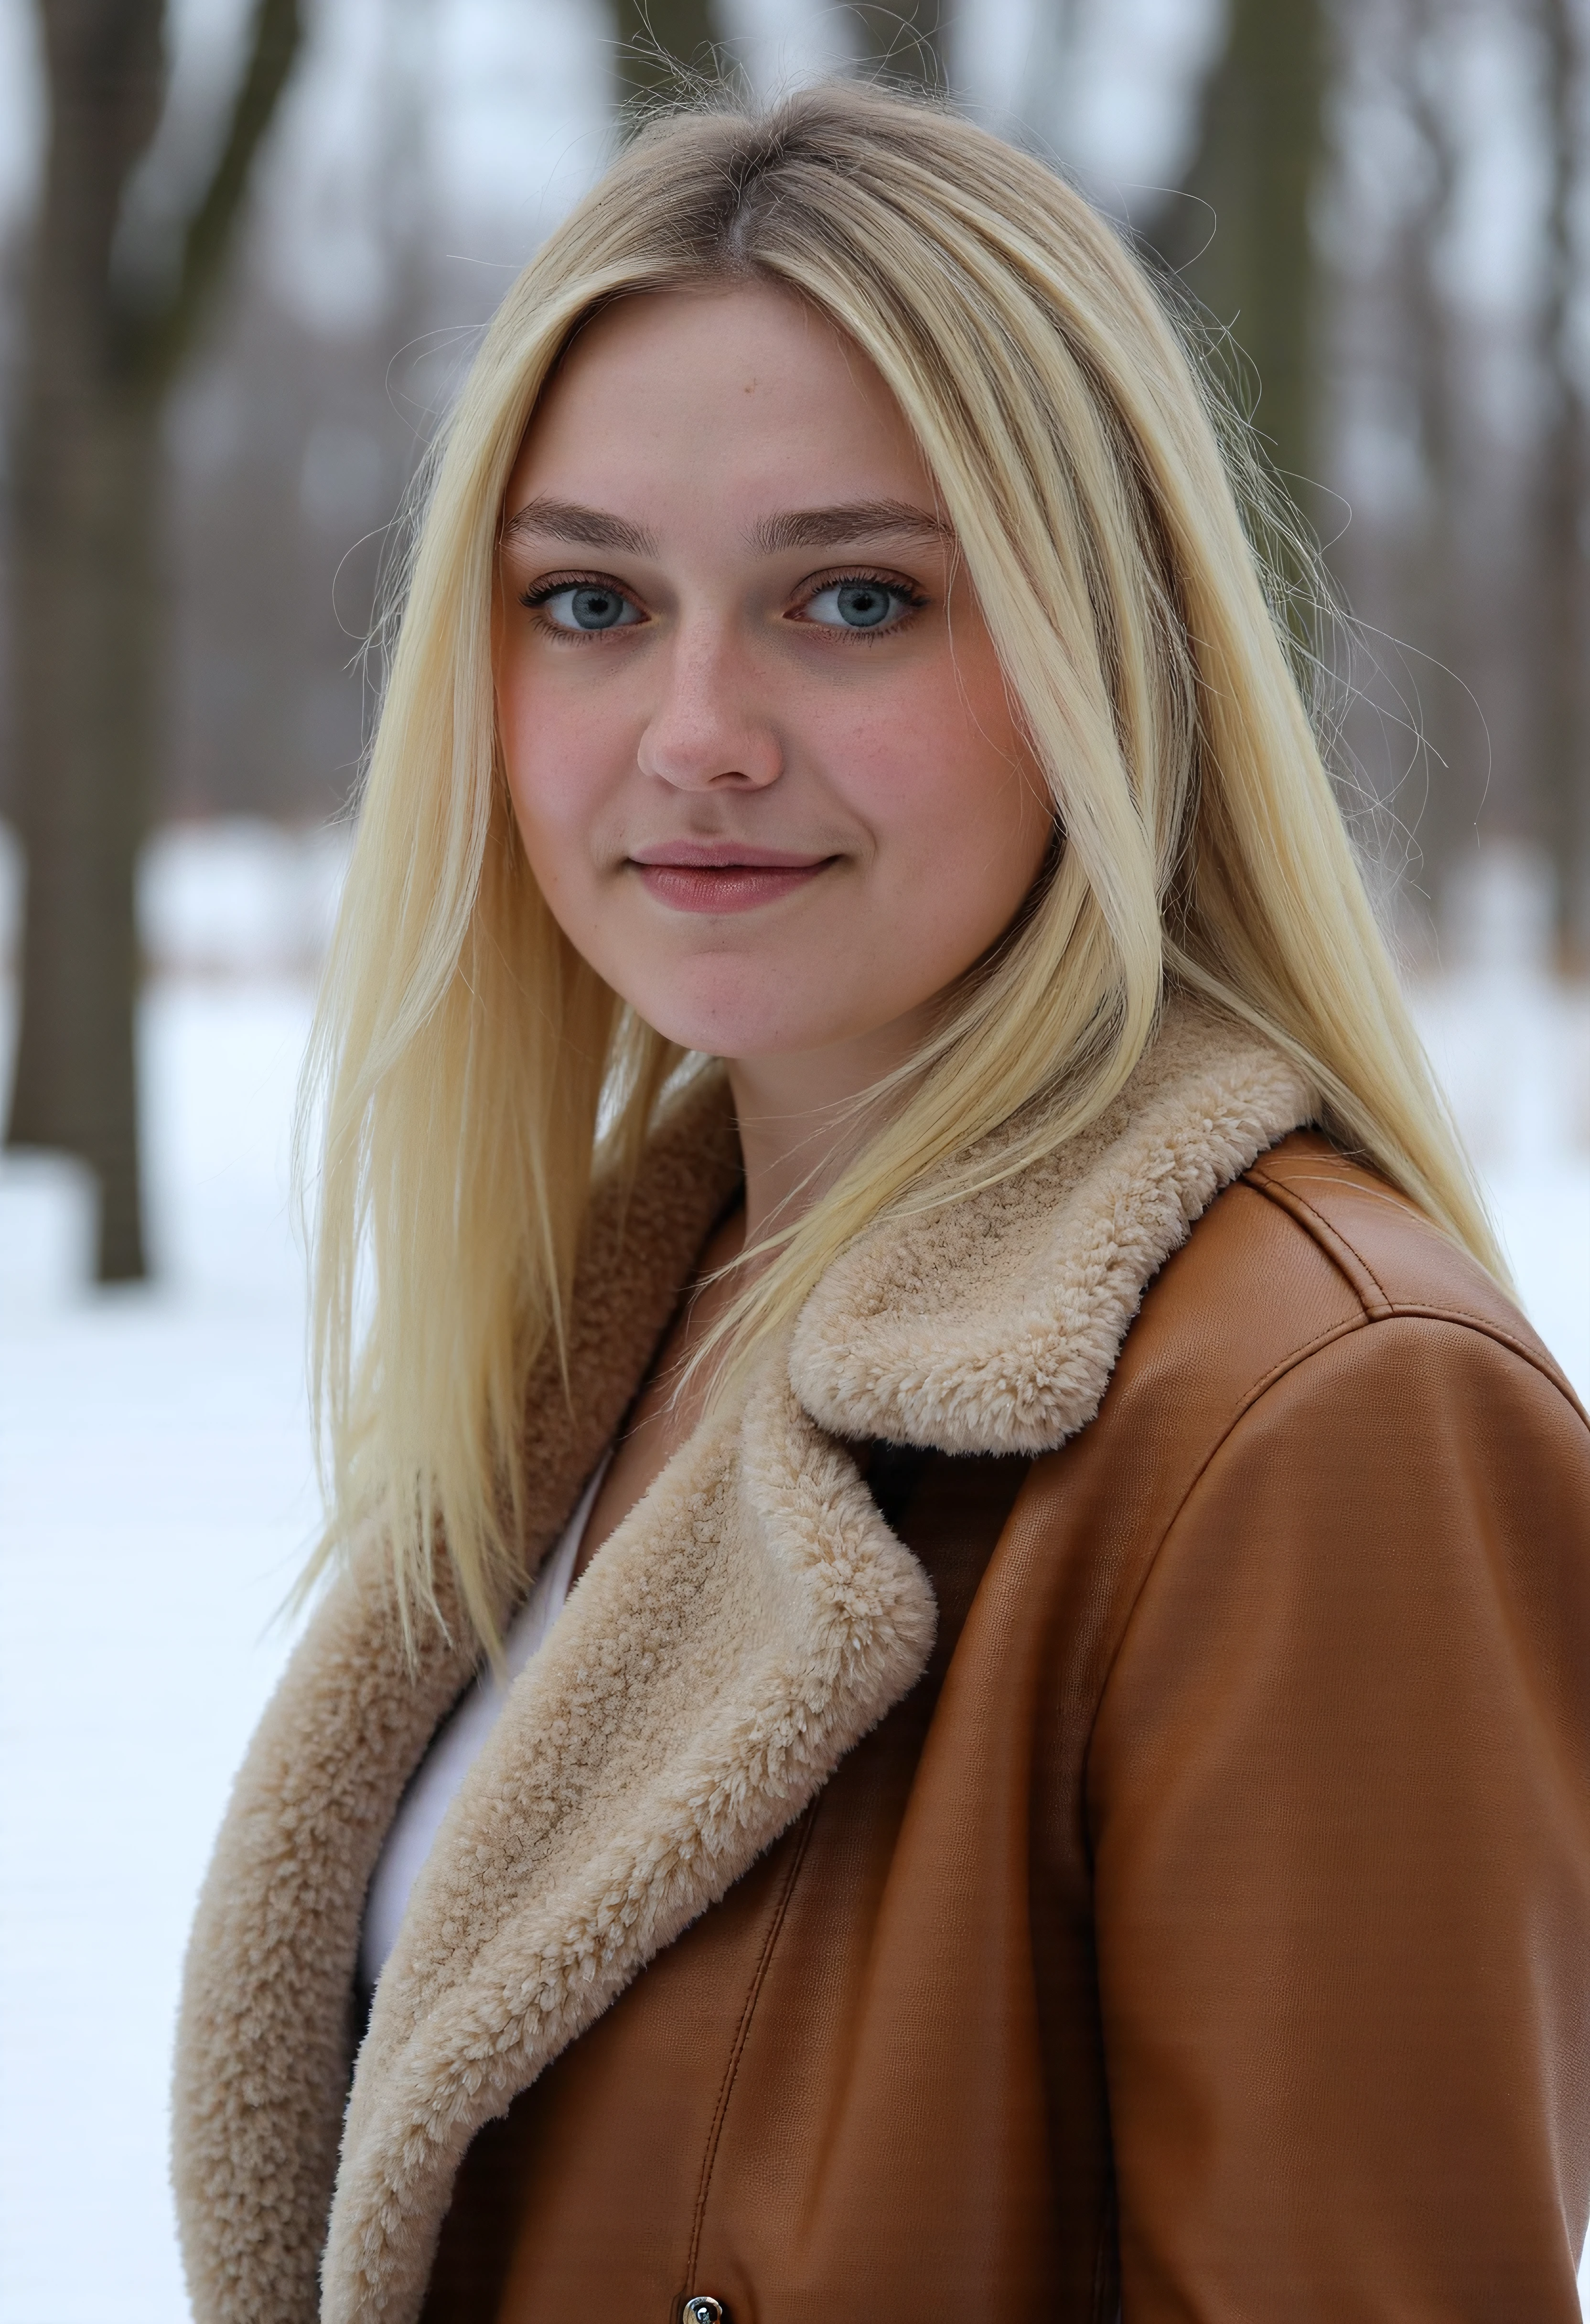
point(859, 604)
point(588, 606)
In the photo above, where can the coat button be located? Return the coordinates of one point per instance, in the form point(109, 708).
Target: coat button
point(700, 2308)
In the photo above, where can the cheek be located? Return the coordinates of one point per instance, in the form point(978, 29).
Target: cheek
point(957, 807)
point(556, 759)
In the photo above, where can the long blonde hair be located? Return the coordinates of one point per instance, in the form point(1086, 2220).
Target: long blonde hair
point(473, 1077)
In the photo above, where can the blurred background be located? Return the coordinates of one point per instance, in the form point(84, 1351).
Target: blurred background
point(247, 248)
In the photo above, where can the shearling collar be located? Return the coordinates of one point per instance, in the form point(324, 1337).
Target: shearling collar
point(741, 1630)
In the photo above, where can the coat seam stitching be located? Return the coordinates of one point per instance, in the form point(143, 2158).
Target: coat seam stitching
point(1417, 1311)
point(737, 2050)
point(1250, 1398)
point(1287, 1197)
point(1364, 1322)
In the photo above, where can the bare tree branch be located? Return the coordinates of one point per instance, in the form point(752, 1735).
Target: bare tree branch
point(159, 337)
point(85, 483)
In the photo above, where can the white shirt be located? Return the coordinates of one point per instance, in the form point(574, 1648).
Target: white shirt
point(457, 1744)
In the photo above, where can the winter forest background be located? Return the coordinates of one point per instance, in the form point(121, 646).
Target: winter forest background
point(245, 248)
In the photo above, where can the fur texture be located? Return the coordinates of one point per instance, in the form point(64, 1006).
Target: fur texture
point(993, 1325)
point(748, 1623)
point(265, 2037)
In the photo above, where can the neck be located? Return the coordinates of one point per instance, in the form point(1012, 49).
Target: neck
point(800, 1122)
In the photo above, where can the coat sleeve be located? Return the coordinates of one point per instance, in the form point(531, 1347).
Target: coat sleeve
point(1340, 1793)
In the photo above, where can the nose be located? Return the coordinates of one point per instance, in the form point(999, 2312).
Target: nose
point(705, 731)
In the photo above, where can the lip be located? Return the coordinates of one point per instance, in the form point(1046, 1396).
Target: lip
point(726, 856)
point(723, 875)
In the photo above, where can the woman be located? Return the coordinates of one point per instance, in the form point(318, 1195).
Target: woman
point(891, 1157)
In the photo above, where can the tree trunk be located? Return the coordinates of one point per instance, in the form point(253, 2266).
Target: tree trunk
point(85, 512)
point(88, 632)
point(1562, 755)
point(1244, 243)
point(82, 596)
point(1436, 579)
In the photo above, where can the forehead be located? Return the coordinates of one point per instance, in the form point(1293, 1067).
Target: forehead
point(724, 389)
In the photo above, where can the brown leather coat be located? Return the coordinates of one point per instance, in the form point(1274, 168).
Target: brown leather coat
point(1206, 1933)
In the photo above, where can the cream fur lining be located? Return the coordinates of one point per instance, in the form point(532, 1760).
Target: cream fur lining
point(748, 1623)
point(265, 2035)
point(993, 1326)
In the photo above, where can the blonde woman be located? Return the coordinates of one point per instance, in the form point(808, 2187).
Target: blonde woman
point(957, 1678)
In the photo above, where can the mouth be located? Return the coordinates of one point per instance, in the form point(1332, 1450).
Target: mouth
point(723, 875)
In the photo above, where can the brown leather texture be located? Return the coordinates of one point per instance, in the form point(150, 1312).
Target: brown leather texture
point(1208, 1934)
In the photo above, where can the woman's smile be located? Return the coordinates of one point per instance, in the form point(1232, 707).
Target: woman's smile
point(692, 875)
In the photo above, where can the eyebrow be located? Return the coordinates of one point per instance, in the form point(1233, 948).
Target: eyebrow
point(827, 528)
point(814, 528)
point(591, 528)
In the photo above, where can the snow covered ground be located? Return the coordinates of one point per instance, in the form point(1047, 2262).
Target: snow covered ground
point(155, 1477)
point(155, 1472)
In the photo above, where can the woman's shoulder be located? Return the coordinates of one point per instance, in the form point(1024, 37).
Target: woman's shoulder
point(1337, 1757)
point(1310, 1250)
point(1393, 1260)
point(1334, 1456)
point(1316, 1380)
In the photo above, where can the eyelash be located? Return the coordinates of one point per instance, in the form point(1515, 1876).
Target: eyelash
point(915, 599)
point(555, 586)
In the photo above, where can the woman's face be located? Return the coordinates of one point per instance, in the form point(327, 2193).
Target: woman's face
point(759, 745)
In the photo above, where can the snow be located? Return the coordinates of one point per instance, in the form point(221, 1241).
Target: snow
point(155, 1475)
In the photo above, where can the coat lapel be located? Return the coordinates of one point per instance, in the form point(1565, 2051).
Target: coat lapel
point(993, 1326)
point(745, 1626)
point(265, 2035)
point(743, 1629)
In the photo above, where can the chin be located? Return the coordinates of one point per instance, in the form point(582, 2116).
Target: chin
point(728, 1036)
point(733, 1014)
